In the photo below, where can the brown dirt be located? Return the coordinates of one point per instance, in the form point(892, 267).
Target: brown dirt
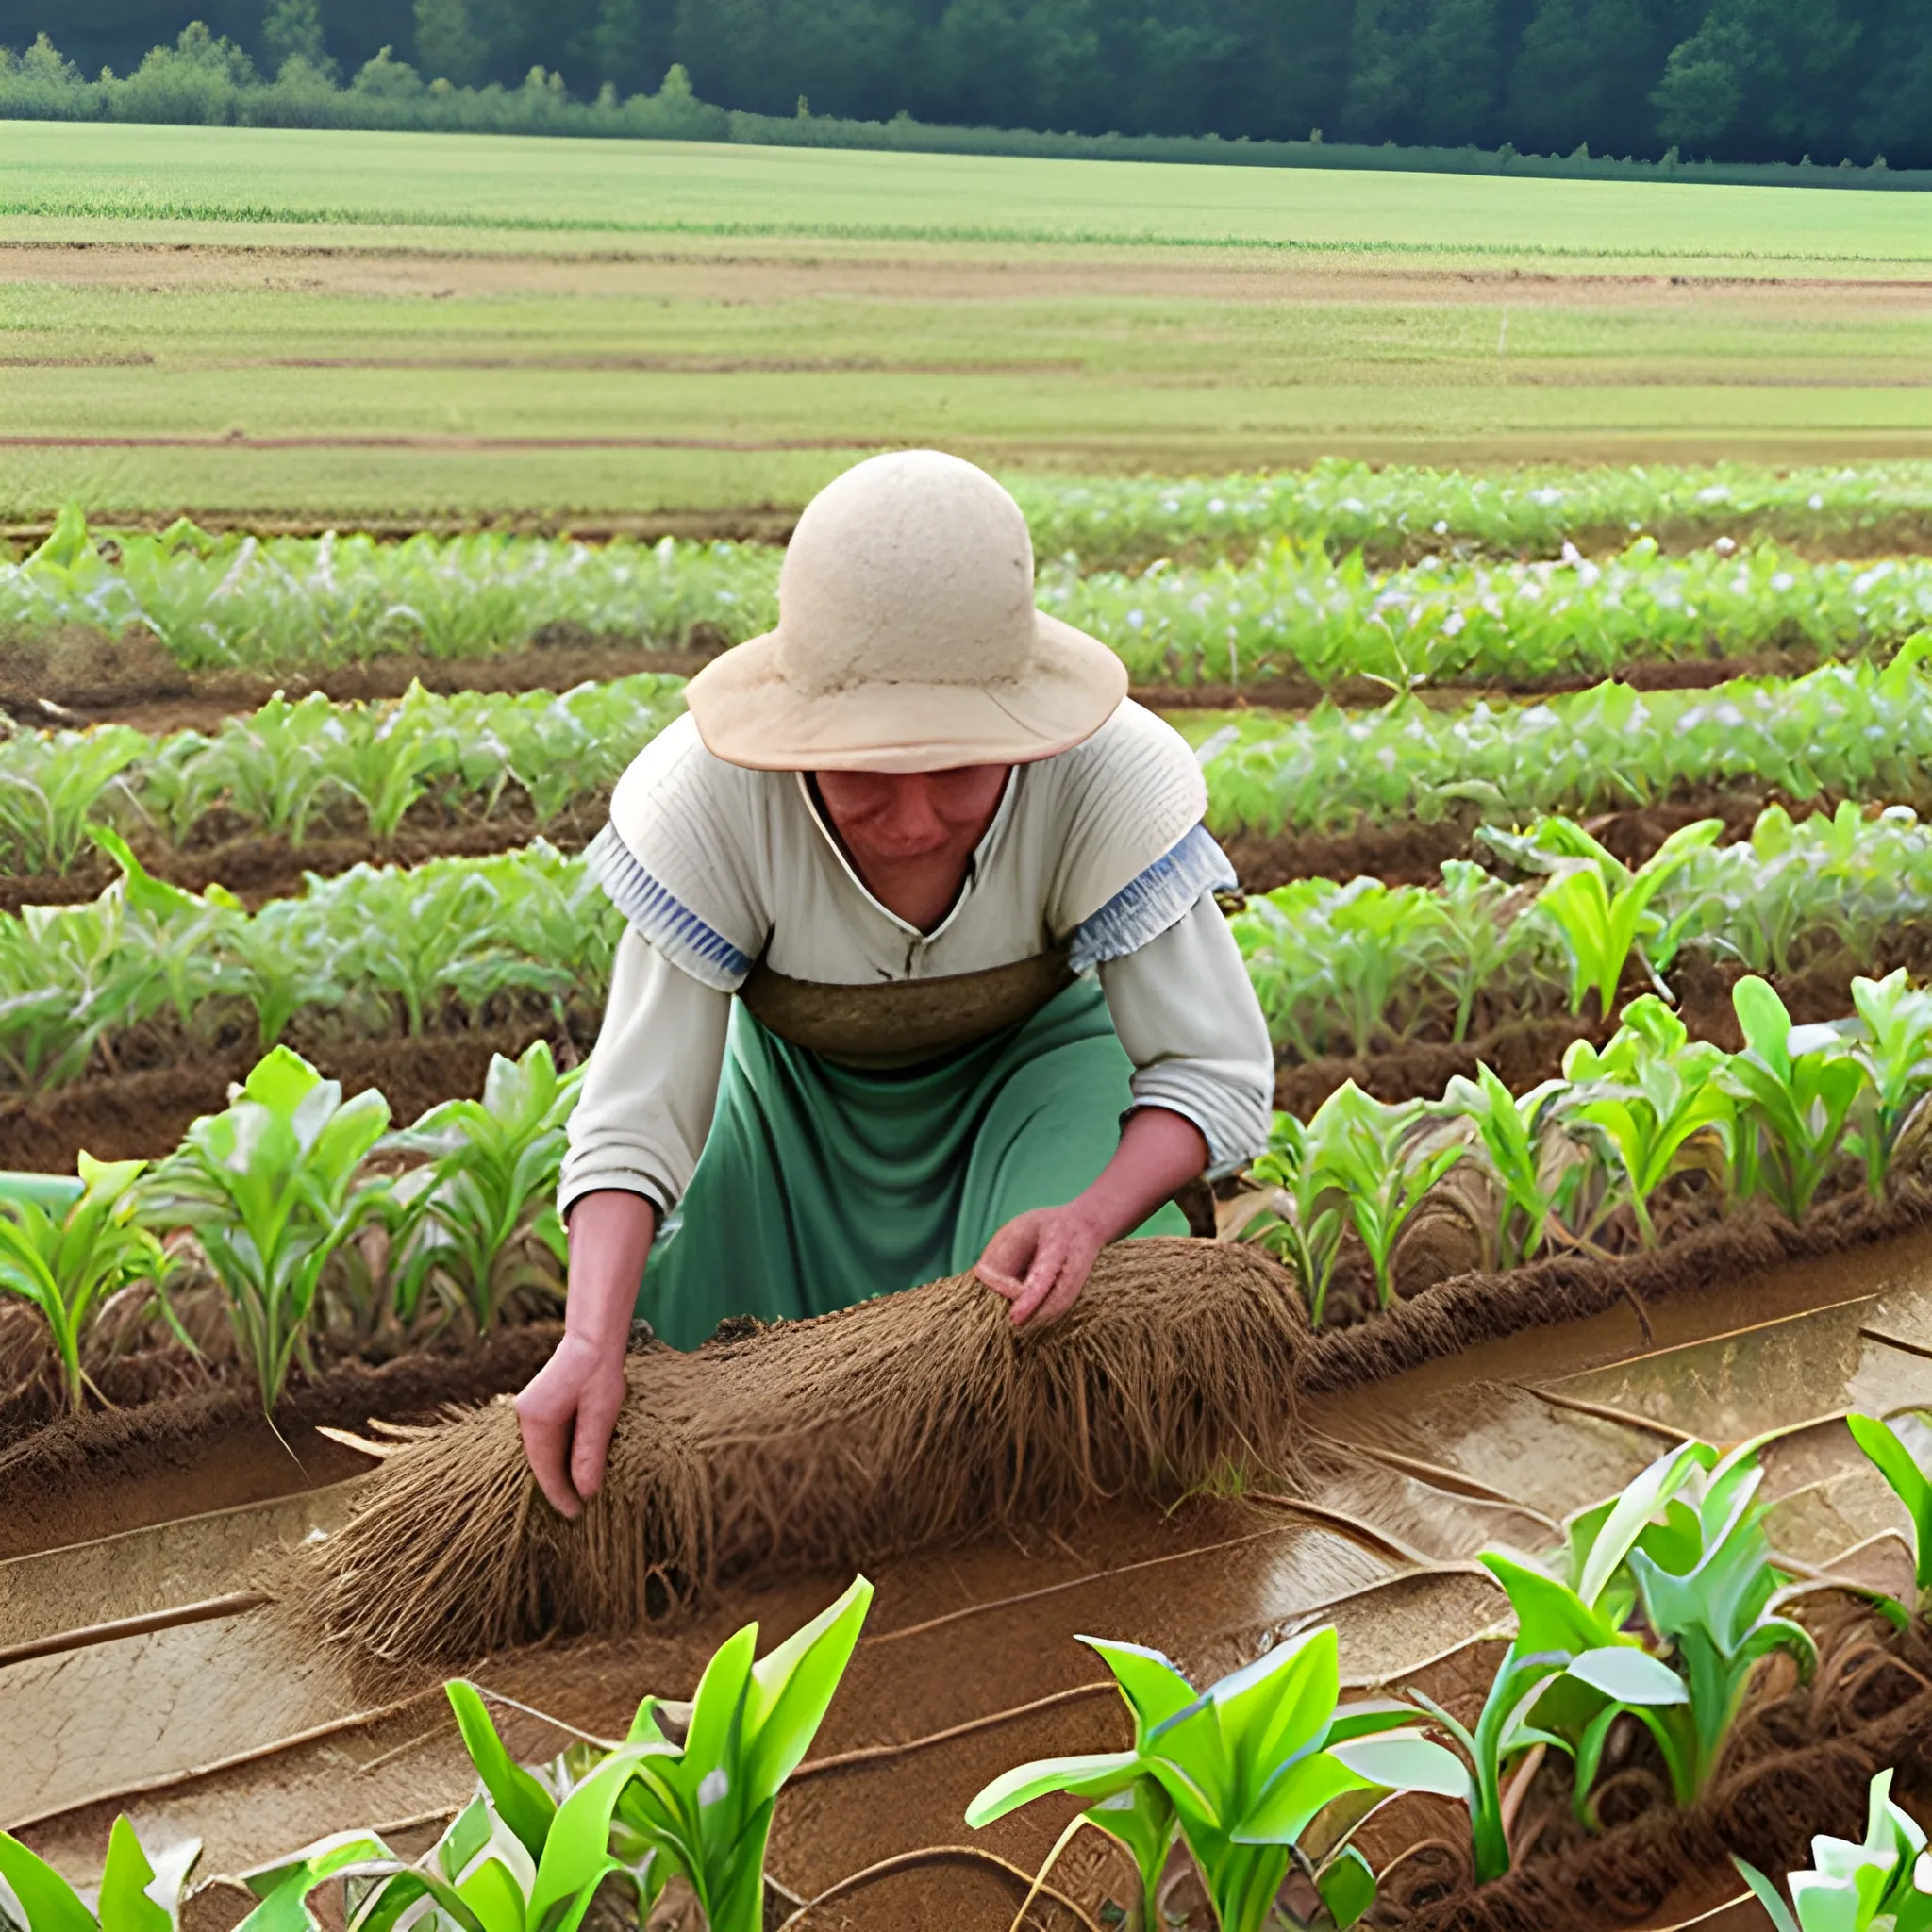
point(143, 1115)
point(122, 1469)
point(89, 678)
point(258, 868)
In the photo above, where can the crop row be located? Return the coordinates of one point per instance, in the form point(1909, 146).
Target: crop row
point(1858, 731)
point(289, 769)
point(148, 969)
point(1295, 610)
point(1359, 968)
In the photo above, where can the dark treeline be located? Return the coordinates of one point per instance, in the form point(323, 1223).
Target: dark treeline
point(1730, 80)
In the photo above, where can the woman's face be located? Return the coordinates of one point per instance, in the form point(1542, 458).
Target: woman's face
point(891, 817)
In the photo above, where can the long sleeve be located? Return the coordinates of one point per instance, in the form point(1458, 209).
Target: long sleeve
point(1188, 1016)
point(652, 1084)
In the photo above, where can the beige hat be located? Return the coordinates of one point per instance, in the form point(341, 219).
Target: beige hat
point(908, 640)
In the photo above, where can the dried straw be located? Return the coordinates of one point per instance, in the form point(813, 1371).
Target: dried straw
point(919, 1419)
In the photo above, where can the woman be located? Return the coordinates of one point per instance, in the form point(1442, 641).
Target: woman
point(923, 966)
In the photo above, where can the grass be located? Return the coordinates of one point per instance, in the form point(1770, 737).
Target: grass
point(470, 326)
point(66, 170)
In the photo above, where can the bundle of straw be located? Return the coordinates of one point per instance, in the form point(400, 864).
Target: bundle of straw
point(918, 1419)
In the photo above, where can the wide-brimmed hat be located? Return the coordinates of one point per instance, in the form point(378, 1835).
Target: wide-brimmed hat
point(908, 640)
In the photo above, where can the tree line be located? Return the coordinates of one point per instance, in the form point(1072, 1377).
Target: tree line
point(1728, 80)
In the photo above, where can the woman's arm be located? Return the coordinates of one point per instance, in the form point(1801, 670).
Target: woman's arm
point(635, 1138)
point(1203, 1087)
point(568, 1411)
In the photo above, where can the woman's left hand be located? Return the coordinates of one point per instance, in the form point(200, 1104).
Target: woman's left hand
point(1041, 1261)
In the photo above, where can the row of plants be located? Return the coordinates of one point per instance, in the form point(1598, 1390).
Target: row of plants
point(1344, 504)
point(301, 770)
point(1294, 611)
point(319, 1232)
point(1659, 1610)
point(1588, 1161)
point(1857, 730)
point(1561, 923)
point(148, 971)
point(298, 769)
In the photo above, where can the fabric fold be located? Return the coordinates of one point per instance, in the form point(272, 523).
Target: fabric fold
point(1158, 898)
point(657, 914)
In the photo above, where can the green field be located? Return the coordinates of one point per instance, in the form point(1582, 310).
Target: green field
point(313, 324)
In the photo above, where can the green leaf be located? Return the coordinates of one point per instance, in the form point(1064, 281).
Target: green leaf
point(577, 1854)
point(1347, 1887)
point(1154, 1688)
point(124, 1903)
point(1095, 1774)
point(1780, 1913)
point(1630, 1676)
point(1297, 1794)
point(792, 1687)
point(1406, 1761)
point(50, 1903)
point(520, 1802)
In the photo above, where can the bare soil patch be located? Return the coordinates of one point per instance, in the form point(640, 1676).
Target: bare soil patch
point(122, 1469)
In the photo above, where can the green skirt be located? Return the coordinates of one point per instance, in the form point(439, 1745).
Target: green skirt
point(820, 1184)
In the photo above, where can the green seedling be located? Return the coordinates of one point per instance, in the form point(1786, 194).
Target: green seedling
point(1512, 1134)
point(1302, 1223)
point(54, 788)
point(1705, 1581)
point(67, 1259)
point(270, 1189)
point(1792, 1101)
point(134, 1895)
point(1602, 909)
point(1896, 1462)
point(1654, 1098)
point(1384, 1167)
point(477, 1221)
point(1894, 1047)
point(1883, 1885)
point(1247, 1766)
point(704, 1806)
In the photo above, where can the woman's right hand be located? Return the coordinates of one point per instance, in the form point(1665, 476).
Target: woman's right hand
point(570, 1407)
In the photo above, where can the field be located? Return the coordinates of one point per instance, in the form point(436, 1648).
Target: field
point(1554, 1382)
point(403, 327)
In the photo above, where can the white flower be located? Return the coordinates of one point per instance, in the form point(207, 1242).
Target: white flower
point(1816, 502)
point(1442, 527)
point(1724, 546)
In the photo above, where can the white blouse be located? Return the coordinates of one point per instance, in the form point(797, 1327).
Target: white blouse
point(1101, 847)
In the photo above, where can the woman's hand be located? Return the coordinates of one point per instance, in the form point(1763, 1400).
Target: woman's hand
point(1040, 1260)
point(570, 1406)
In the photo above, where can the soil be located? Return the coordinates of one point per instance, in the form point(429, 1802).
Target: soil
point(145, 1114)
point(260, 867)
point(106, 1472)
point(81, 677)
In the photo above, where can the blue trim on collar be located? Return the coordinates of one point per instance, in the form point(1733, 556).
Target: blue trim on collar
point(662, 919)
point(1147, 906)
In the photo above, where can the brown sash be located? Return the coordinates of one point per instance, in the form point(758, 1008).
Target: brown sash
point(898, 1023)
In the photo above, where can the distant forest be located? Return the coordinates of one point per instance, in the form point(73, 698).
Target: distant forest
point(1728, 80)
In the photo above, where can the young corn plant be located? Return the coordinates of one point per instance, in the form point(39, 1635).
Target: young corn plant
point(1894, 1043)
point(1882, 1884)
point(68, 1258)
point(1302, 1223)
point(1381, 1158)
point(477, 1221)
point(270, 1189)
point(1705, 1581)
point(702, 1805)
point(1246, 1767)
point(129, 1882)
point(1793, 1097)
point(1652, 1098)
point(1512, 1136)
point(1600, 909)
point(1891, 1454)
